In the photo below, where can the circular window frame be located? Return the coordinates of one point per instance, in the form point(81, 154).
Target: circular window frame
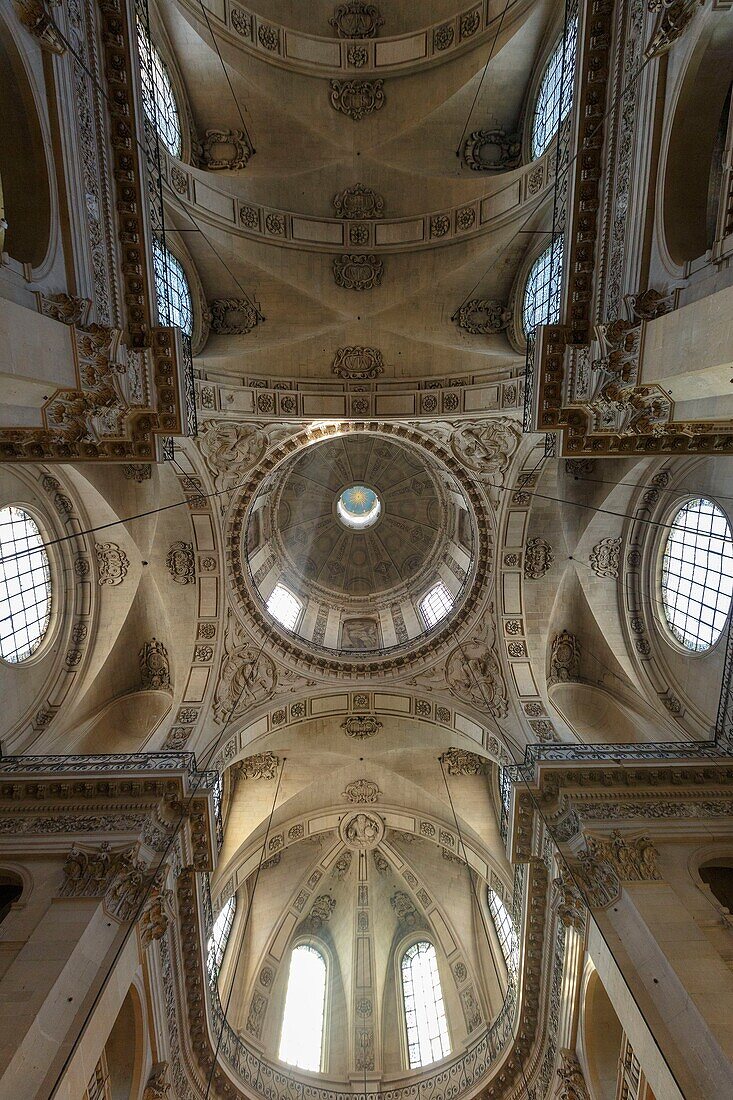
point(54, 618)
point(664, 627)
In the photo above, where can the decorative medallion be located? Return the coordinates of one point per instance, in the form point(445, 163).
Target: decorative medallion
point(604, 558)
point(233, 316)
point(361, 790)
point(269, 36)
point(358, 272)
point(565, 658)
point(358, 202)
point(225, 150)
point(357, 98)
point(181, 563)
point(262, 765)
point(483, 316)
point(155, 674)
point(492, 151)
point(361, 831)
point(443, 36)
point(358, 363)
point(538, 558)
point(470, 23)
point(356, 20)
point(112, 563)
point(357, 56)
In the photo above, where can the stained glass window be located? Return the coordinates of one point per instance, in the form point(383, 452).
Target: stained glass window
point(217, 944)
point(504, 929)
point(284, 606)
point(436, 604)
point(159, 102)
point(541, 304)
point(427, 1028)
point(697, 574)
point(301, 1039)
point(172, 291)
point(555, 96)
point(25, 586)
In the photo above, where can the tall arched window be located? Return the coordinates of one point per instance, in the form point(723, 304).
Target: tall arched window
point(505, 932)
point(555, 97)
point(159, 102)
point(172, 291)
point(301, 1038)
point(217, 944)
point(427, 1028)
point(25, 586)
point(436, 604)
point(697, 574)
point(541, 305)
point(284, 606)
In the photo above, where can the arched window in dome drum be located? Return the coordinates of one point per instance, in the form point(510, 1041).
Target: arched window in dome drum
point(172, 291)
point(301, 1038)
point(436, 604)
point(555, 97)
point(284, 606)
point(505, 931)
point(159, 101)
point(217, 943)
point(25, 586)
point(425, 1019)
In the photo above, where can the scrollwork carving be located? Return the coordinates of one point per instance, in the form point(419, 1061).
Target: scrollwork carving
point(112, 563)
point(604, 558)
point(262, 765)
point(358, 363)
point(492, 151)
point(361, 790)
point(565, 658)
point(155, 674)
point(225, 150)
point(358, 202)
point(463, 762)
point(483, 316)
point(233, 316)
point(538, 557)
point(357, 98)
point(358, 272)
point(356, 19)
point(181, 563)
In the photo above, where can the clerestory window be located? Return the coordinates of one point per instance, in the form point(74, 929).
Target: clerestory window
point(159, 101)
point(505, 931)
point(25, 586)
point(555, 97)
point(301, 1038)
point(425, 1020)
point(172, 292)
point(219, 937)
point(541, 305)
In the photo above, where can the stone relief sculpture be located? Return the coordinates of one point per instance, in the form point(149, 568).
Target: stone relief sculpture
point(181, 563)
point(155, 672)
point(358, 363)
point(224, 149)
point(361, 726)
point(360, 633)
point(361, 830)
point(233, 316)
point(358, 272)
point(356, 19)
point(158, 1085)
point(538, 557)
point(564, 659)
point(357, 98)
point(247, 674)
point(361, 790)
point(571, 1075)
point(633, 859)
point(483, 316)
point(262, 765)
point(230, 450)
point(492, 151)
point(604, 558)
point(463, 762)
point(405, 909)
point(357, 202)
point(473, 673)
point(112, 563)
point(487, 447)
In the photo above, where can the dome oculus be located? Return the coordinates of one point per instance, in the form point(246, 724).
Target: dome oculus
point(358, 507)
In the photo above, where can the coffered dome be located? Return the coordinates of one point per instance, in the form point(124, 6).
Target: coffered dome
point(347, 540)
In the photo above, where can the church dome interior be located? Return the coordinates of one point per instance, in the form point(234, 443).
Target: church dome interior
point(366, 549)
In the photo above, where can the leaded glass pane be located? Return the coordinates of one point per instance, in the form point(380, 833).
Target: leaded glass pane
point(555, 96)
point(697, 574)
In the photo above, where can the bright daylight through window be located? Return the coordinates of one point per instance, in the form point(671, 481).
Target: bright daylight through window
point(436, 604)
point(217, 944)
point(172, 291)
point(504, 929)
point(284, 606)
point(541, 304)
point(697, 574)
point(555, 96)
point(25, 586)
point(301, 1039)
point(159, 103)
point(427, 1030)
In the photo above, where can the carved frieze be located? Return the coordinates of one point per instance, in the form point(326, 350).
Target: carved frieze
point(564, 658)
point(181, 563)
point(358, 202)
point(112, 563)
point(483, 316)
point(538, 557)
point(360, 272)
point(155, 674)
point(492, 151)
point(233, 316)
point(357, 98)
point(262, 765)
point(358, 363)
point(224, 150)
point(356, 19)
point(361, 790)
point(604, 558)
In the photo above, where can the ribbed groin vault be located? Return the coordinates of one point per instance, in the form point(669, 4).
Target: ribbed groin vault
point(366, 567)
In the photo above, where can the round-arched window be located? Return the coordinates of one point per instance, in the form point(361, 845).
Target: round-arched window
point(25, 586)
point(555, 96)
point(541, 304)
point(173, 294)
point(159, 102)
point(697, 574)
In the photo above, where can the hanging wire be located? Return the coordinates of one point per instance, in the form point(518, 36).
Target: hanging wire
point(507, 6)
point(226, 74)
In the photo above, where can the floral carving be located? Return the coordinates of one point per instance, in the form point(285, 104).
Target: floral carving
point(358, 202)
point(358, 272)
point(357, 56)
point(262, 765)
point(342, 865)
point(492, 151)
point(358, 363)
point(439, 225)
point(465, 218)
point(538, 558)
point(604, 558)
point(357, 98)
point(155, 672)
point(443, 36)
point(225, 150)
point(571, 908)
point(112, 563)
point(181, 563)
point(242, 22)
point(361, 726)
point(470, 23)
point(361, 790)
point(320, 913)
point(233, 316)
point(137, 471)
point(633, 859)
point(269, 36)
point(356, 20)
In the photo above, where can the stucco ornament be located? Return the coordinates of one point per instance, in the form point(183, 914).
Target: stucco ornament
point(634, 859)
point(492, 151)
point(233, 316)
point(538, 557)
point(155, 674)
point(356, 19)
point(262, 765)
point(565, 659)
point(225, 150)
point(358, 272)
point(361, 726)
point(357, 202)
point(487, 447)
point(230, 450)
point(358, 363)
point(463, 762)
point(181, 563)
point(473, 672)
point(357, 98)
point(483, 316)
point(247, 675)
point(604, 558)
point(361, 831)
point(361, 790)
point(112, 563)
point(571, 1075)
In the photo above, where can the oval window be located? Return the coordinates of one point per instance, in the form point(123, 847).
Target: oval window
point(697, 574)
point(25, 586)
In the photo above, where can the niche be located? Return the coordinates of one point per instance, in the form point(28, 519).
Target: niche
point(11, 887)
point(603, 1036)
point(718, 875)
point(123, 1053)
